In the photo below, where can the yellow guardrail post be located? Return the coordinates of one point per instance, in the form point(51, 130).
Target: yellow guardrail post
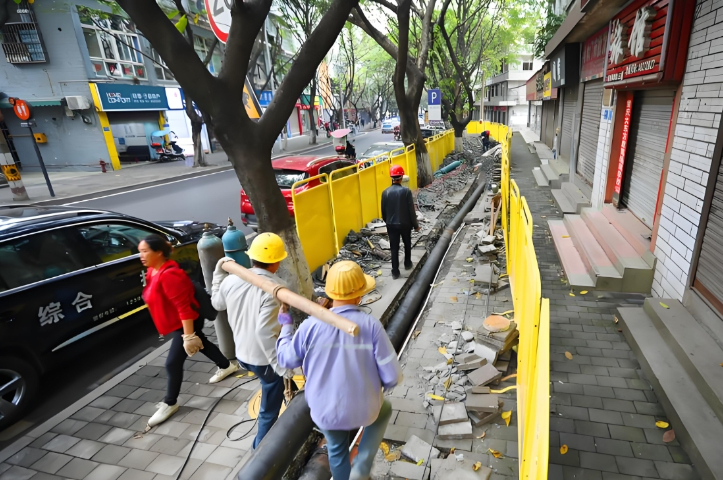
point(314, 220)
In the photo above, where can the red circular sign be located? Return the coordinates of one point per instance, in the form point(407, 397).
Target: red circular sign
point(22, 109)
point(219, 16)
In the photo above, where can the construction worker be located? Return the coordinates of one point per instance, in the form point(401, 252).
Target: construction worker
point(399, 214)
point(345, 375)
point(252, 316)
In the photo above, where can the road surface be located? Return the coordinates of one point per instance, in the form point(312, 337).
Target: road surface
point(211, 198)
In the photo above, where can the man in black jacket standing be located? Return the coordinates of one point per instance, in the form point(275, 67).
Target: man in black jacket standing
point(399, 214)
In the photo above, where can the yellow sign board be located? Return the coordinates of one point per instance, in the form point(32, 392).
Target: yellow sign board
point(547, 86)
point(253, 109)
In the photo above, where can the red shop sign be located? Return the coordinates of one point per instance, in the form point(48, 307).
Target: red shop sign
point(623, 145)
point(593, 56)
point(648, 42)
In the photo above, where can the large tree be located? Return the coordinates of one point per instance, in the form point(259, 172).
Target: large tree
point(247, 142)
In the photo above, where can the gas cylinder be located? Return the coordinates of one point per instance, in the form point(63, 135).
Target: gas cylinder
point(210, 250)
point(235, 246)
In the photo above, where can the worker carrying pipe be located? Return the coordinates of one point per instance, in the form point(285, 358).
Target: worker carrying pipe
point(345, 375)
point(399, 215)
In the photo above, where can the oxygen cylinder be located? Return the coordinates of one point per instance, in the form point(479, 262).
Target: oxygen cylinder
point(210, 251)
point(235, 246)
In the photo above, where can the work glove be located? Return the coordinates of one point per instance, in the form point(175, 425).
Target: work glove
point(284, 315)
point(219, 274)
point(192, 344)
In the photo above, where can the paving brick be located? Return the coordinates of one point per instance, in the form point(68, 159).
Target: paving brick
point(605, 362)
point(415, 420)
point(637, 420)
point(651, 452)
point(105, 472)
point(637, 384)
point(131, 474)
point(92, 431)
point(138, 459)
point(26, 457)
point(77, 469)
point(582, 379)
point(630, 434)
point(619, 405)
point(605, 416)
point(593, 370)
point(576, 413)
point(676, 471)
point(567, 367)
point(69, 426)
point(17, 473)
point(609, 446)
point(598, 391)
point(578, 442)
point(165, 464)
point(105, 402)
point(648, 408)
point(585, 401)
point(111, 454)
point(116, 436)
point(629, 394)
point(228, 457)
point(678, 455)
point(571, 458)
point(598, 461)
point(558, 424)
point(87, 414)
point(169, 445)
point(592, 429)
point(611, 382)
point(636, 466)
point(51, 462)
point(85, 449)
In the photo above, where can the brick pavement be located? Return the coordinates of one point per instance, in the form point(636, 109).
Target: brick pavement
point(602, 407)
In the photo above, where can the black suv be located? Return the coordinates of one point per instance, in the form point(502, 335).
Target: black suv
point(65, 274)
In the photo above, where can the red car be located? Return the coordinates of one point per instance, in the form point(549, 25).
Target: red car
point(290, 170)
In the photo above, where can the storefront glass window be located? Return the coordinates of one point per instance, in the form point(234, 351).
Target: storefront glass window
point(161, 72)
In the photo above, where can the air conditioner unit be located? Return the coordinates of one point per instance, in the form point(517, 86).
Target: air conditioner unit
point(78, 102)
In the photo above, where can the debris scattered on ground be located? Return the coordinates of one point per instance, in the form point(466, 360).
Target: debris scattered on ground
point(417, 449)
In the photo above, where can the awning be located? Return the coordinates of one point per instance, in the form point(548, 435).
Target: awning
point(37, 102)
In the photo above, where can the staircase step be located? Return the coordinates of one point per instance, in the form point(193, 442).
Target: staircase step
point(542, 150)
point(696, 425)
point(597, 262)
point(561, 166)
point(575, 195)
point(575, 268)
point(552, 176)
point(637, 274)
point(540, 177)
point(694, 348)
point(563, 203)
point(635, 232)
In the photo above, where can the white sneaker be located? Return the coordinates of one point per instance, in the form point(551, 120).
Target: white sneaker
point(163, 413)
point(222, 373)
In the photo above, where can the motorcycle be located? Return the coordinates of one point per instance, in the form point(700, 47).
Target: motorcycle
point(340, 140)
point(397, 133)
point(166, 154)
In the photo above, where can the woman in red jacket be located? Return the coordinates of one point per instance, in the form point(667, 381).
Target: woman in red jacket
point(169, 295)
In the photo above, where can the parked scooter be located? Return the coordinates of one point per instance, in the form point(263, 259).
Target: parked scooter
point(166, 154)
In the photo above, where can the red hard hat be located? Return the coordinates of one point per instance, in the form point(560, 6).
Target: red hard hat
point(396, 171)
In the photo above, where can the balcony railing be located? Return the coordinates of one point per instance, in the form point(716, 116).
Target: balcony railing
point(22, 41)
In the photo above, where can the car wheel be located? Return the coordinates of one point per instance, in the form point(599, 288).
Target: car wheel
point(18, 385)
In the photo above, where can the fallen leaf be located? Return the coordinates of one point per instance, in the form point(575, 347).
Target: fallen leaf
point(454, 299)
point(566, 236)
point(379, 272)
point(484, 434)
point(471, 280)
point(477, 295)
point(449, 361)
point(385, 448)
point(721, 364)
point(495, 453)
point(568, 355)
point(447, 383)
point(563, 449)
point(507, 416)
point(615, 319)
point(416, 333)
point(662, 424)
point(664, 305)
point(571, 294)
point(442, 350)
point(435, 397)
point(477, 466)
point(543, 216)
point(469, 259)
point(394, 456)
point(420, 462)
point(251, 374)
point(451, 450)
point(583, 292)
point(669, 436)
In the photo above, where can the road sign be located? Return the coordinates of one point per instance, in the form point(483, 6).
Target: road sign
point(21, 108)
point(219, 16)
point(434, 100)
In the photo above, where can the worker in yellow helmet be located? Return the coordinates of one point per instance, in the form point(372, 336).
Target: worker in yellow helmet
point(252, 315)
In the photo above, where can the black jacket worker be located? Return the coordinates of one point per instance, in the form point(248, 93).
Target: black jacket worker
point(399, 214)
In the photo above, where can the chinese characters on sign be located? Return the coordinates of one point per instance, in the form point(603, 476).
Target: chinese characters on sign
point(131, 97)
point(640, 34)
point(50, 314)
point(618, 42)
point(623, 145)
point(82, 302)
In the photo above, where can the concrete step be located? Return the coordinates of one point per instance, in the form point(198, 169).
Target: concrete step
point(543, 151)
point(575, 268)
point(635, 232)
point(637, 274)
point(696, 425)
point(562, 167)
point(540, 177)
point(599, 266)
point(562, 202)
point(552, 176)
point(697, 352)
point(575, 195)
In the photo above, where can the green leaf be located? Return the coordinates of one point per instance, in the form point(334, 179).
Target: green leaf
point(181, 24)
point(664, 305)
point(17, 1)
point(172, 14)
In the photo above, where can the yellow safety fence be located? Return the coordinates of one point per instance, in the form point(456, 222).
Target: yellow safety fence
point(532, 314)
point(328, 206)
point(497, 131)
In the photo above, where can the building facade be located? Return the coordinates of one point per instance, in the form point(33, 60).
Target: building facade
point(505, 93)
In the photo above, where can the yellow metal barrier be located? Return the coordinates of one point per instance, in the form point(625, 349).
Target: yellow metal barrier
point(316, 225)
point(406, 157)
point(346, 202)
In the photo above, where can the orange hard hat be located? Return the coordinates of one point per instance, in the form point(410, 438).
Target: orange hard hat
point(396, 171)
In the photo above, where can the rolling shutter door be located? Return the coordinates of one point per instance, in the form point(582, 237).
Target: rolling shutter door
point(548, 120)
point(590, 129)
point(569, 108)
point(646, 151)
point(709, 273)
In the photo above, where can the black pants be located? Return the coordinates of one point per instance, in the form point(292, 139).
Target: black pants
point(177, 355)
point(394, 233)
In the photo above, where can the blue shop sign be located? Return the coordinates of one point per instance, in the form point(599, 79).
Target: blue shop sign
point(265, 98)
point(116, 97)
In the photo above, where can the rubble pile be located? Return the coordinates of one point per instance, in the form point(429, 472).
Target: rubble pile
point(435, 195)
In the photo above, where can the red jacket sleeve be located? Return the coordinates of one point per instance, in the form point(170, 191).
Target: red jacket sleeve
point(178, 289)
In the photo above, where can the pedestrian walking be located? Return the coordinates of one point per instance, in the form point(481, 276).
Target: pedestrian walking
point(399, 214)
point(169, 295)
point(252, 315)
point(345, 375)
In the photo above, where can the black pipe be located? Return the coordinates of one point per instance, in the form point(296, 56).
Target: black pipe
point(399, 325)
point(317, 468)
point(278, 448)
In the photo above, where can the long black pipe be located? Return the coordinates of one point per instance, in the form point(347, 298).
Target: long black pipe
point(280, 445)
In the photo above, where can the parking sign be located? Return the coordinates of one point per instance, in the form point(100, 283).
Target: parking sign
point(434, 100)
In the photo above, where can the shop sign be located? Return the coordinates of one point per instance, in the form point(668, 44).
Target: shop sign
point(531, 88)
point(564, 65)
point(640, 41)
point(593, 56)
point(539, 85)
point(119, 97)
point(623, 145)
point(547, 86)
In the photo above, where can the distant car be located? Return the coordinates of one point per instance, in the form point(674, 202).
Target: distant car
point(379, 148)
point(67, 277)
point(290, 170)
point(428, 132)
point(389, 124)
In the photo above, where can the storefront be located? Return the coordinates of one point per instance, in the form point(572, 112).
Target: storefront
point(646, 75)
point(533, 95)
point(564, 70)
point(549, 108)
point(591, 76)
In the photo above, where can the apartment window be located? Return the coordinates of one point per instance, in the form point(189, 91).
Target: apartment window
point(113, 45)
point(526, 65)
point(22, 41)
point(162, 72)
point(202, 45)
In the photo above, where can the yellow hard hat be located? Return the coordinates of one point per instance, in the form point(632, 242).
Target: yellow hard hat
point(346, 280)
point(267, 248)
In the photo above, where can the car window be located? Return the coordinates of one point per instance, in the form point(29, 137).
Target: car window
point(41, 256)
point(287, 178)
point(111, 241)
point(374, 151)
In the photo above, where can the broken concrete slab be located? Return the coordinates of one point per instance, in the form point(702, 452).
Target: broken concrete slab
point(467, 336)
point(484, 351)
point(484, 375)
point(412, 405)
point(453, 413)
point(455, 431)
point(467, 357)
point(479, 419)
point(478, 389)
point(417, 449)
point(482, 402)
point(486, 249)
point(409, 471)
point(502, 365)
point(452, 469)
point(447, 445)
point(396, 433)
point(472, 365)
point(456, 325)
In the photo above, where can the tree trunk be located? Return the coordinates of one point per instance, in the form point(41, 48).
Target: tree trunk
point(199, 159)
point(312, 122)
point(459, 128)
point(411, 134)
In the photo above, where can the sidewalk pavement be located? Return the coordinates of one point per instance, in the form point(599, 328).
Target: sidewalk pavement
point(528, 134)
